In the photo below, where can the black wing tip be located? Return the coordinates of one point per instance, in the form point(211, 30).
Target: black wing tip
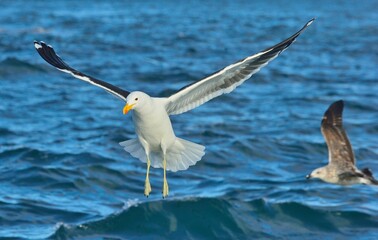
point(334, 114)
point(280, 47)
point(302, 29)
point(337, 107)
point(310, 22)
point(40, 45)
point(37, 45)
point(47, 52)
point(339, 103)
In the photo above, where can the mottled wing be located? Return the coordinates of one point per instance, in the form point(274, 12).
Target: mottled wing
point(225, 80)
point(49, 55)
point(339, 148)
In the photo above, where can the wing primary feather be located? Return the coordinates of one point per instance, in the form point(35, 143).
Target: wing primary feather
point(334, 115)
point(48, 53)
point(339, 147)
point(226, 79)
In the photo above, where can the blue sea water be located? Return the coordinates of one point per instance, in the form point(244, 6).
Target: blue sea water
point(64, 176)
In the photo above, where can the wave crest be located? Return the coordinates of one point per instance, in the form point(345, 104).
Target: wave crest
point(212, 218)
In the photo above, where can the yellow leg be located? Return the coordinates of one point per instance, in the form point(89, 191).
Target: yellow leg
point(165, 183)
point(147, 185)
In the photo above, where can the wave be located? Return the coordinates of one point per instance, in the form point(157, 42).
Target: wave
point(50, 170)
point(212, 218)
point(12, 65)
point(43, 156)
point(5, 132)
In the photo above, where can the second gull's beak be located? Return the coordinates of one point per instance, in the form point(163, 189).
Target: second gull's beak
point(127, 108)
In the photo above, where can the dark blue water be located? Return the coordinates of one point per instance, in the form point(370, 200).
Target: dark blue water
point(64, 176)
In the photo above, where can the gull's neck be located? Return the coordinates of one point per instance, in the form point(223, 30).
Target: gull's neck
point(146, 108)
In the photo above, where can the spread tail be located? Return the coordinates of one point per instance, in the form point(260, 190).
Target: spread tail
point(180, 156)
point(183, 154)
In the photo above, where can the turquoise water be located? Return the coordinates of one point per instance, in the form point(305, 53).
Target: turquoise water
point(64, 176)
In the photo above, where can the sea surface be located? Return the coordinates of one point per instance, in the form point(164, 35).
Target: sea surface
point(63, 174)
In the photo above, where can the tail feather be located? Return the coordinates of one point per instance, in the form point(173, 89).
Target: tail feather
point(180, 161)
point(134, 147)
point(180, 156)
point(156, 159)
point(189, 158)
point(184, 154)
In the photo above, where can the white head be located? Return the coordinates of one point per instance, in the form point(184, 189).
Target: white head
point(320, 173)
point(135, 100)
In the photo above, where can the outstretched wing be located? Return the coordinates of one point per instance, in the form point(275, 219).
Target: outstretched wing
point(339, 149)
point(49, 55)
point(225, 80)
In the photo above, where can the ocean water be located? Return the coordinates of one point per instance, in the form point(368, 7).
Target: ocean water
point(64, 176)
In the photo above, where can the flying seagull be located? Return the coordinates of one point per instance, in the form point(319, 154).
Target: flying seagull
point(156, 143)
point(341, 168)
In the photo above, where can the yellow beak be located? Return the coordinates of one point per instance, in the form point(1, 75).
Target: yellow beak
point(127, 108)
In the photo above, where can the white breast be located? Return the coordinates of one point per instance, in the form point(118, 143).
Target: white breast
point(154, 126)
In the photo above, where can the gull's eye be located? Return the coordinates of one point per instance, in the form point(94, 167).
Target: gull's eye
point(136, 99)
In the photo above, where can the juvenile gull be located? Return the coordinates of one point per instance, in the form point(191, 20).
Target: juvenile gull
point(156, 143)
point(341, 168)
